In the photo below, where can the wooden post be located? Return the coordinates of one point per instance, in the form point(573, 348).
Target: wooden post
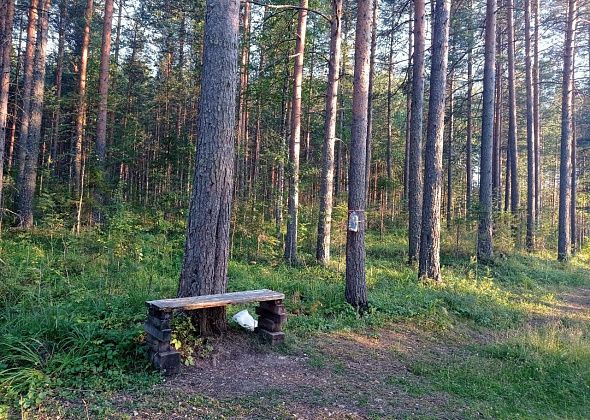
point(158, 332)
point(271, 317)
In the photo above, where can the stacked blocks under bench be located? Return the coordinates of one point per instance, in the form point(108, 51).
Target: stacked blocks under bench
point(271, 317)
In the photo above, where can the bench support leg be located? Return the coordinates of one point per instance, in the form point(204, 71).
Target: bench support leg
point(271, 317)
point(158, 331)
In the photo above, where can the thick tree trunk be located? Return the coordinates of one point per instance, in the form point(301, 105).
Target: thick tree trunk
point(102, 117)
point(327, 180)
point(204, 268)
point(531, 213)
point(5, 50)
point(429, 261)
point(295, 139)
point(29, 180)
point(29, 61)
point(512, 136)
point(484, 238)
point(82, 103)
point(415, 146)
point(356, 285)
point(565, 169)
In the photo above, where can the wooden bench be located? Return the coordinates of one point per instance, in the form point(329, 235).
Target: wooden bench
point(271, 317)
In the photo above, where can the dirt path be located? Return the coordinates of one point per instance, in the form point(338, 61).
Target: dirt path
point(337, 375)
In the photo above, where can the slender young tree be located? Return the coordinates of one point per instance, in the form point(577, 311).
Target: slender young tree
point(7, 13)
point(356, 285)
point(469, 145)
point(484, 238)
point(512, 130)
point(204, 268)
point(370, 100)
point(29, 179)
point(82, 103)
point(102, 117)
point(565, 169)
point(429, 261)
point(327, 180)
point(531, 213)
point(295, 139)
point(536, 113)
point(415, 145)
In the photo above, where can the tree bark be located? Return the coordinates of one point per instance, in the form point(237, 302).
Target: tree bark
point(450, 151)
point(531, 213)
point(55, 132)
point(102, 117)
point(565, 169)
point(5, 50)
point(370, 100)
point(29, 61)
point(327, 180)
point(536, 114)
point(429, 261)
point(469, 145)
point(356, 286)
point(82, 104)
point(512, 129)
point(204, 268)
point(484, 238)
point(295, 139)
point(415, 146)
point(498, 124)
point(29, 180)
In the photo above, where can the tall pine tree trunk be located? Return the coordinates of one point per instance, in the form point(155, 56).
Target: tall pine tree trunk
point(82, 103)
point(204, 268)
point(29, 180)
point(7, 13)
point(512, 130)
point(565, 169)
point(101, 123)
point(356, 285)
point(370, 100)
point(327, 180)
point(531, 213)
point(295, 139)
point(415, 146)
point(429, 261)
point(484, 237)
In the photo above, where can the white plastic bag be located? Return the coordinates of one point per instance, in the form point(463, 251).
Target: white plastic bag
point(245, 320)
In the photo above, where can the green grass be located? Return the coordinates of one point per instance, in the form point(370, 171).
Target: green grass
point(72, 308)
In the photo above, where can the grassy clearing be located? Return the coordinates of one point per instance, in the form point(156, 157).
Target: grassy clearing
point(71, 308)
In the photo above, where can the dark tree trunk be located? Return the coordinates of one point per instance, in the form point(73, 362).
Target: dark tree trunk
point(55, 133)
point(415, 146)
point(295, 139)
point(7, 13)
point(565, 169)
point(29, 61)
point(327, 180)
point(204, 269)
point(102, 117)
point(429, 261)
point(29, 180)
point(469, 146)
point(356, 285)
point(484, 238)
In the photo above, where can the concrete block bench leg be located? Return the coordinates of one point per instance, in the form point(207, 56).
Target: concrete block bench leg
point(158, 332)
point(271, 317)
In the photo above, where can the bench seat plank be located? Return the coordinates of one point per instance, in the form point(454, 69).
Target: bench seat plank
point(212, 301)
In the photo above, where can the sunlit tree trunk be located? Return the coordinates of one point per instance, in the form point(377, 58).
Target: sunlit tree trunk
point(327, 180)
point(512, 136)
point(356, 286)
point(429, 261)
point(295, 139)
point(415, 146)
point(531, 213)
point(82, 105)
point(29, 179)
point(204, 268)
point(565, 169)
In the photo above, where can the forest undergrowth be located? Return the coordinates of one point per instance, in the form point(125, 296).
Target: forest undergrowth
point(72, 311)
